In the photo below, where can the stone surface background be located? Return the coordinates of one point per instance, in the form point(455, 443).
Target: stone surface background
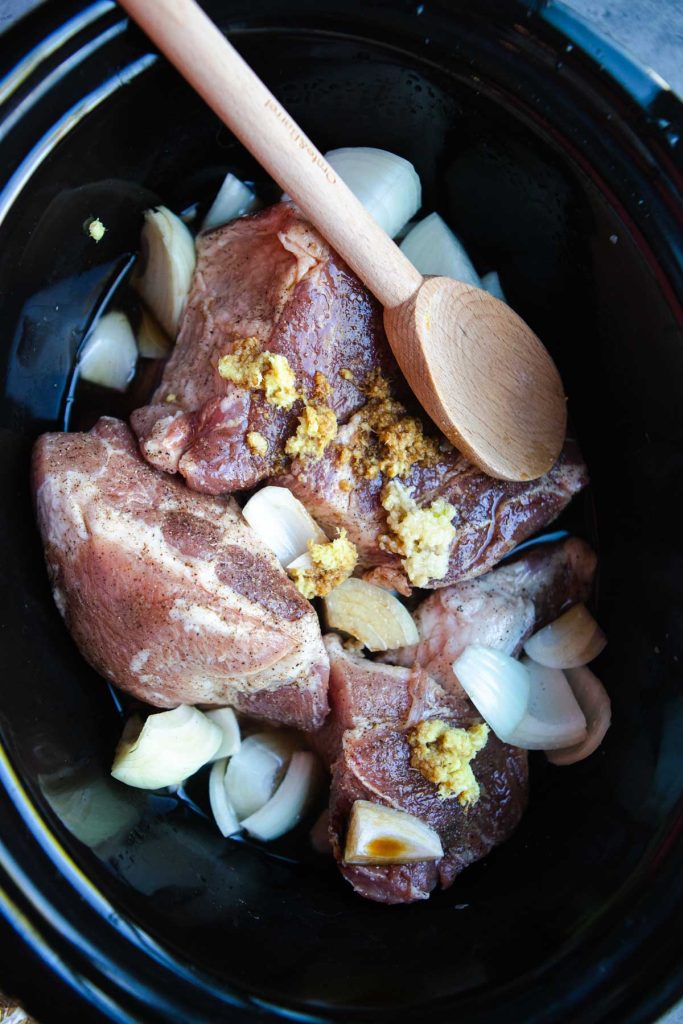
point(651, 29)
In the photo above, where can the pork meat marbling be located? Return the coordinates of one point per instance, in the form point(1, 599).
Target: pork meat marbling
point(168, 593)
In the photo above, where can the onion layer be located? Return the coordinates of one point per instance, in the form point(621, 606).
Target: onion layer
point(370, 614)
point(168, 261)
point(432, 248)
point(497, 685)
point(554, 718)
point(221, 808)
point(153, 343)
point(595, 704)
point(256, 769)
point(572, 640)
point(288, 804)
point(168, 748)
point(282, 523)
point(110, 354)
point(226, 720)
point(233, 199)
point(387, 185)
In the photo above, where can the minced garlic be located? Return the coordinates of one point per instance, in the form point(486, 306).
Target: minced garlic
point(317, 428)
point(257, 442)
point(321, 388)
point(330, 564)
point(388, 440)
point(421, 536)
point(96, 229)
point(442, 753)
point(345, 373)
point(249, 367)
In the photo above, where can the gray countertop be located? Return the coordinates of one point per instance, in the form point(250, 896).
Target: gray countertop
point(651, 29)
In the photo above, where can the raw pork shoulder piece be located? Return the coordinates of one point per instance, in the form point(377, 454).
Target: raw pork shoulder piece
point(372, 706)
point(169, 594)
point(272, 277)
point(492, 516)
point(501, 609)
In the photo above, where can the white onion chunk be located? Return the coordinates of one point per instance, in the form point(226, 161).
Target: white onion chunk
point(570, 641)
point(168, 260)
point(386, 184)
point(226, 720)
point(432, 248)
point(233, 199)
point(256, 769)
point(554, 718)
point(595, 704)
point(221, 808)
point(170, 746)
point(497, 685)
point(110, 353)
point(282, 522)
point(287, 806)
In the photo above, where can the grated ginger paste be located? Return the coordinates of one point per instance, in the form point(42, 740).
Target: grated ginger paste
point(249, 367)
point(330, 564)
point(422, 537)
point(442, 754)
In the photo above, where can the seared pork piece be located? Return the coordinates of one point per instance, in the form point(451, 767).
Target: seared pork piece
point(268, 276)
point(501, 609)
point(169, 594)
point(365, 692)
point(492, 516)
point(365, 739)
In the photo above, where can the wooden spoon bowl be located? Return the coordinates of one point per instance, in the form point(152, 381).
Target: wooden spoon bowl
point(486, 379)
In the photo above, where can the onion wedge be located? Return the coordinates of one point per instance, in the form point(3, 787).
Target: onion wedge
point(554, 718)
point(569, 642)
point(288, 804)
point(110, 353)
point(282, 523)
point(221, 808)
point(233, 199)
point(153, 343)
point(256, 769)
point(387, 185)
point(384, 835)
point(226, 720)
point(595, 704)
point(370, 614)
point(497, 685)
point(432, 248)
point(168, 262)
point(168, 748)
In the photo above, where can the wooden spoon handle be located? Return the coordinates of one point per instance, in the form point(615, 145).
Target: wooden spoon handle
point(202, 54)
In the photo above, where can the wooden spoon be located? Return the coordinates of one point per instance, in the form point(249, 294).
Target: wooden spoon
point(478, 370)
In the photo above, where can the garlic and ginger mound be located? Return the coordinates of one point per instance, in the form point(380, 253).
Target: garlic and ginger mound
point(249, 367)
point(317, 428)
point(330, 563)
point(388, 440)
point(442, 754)
point(422, 537)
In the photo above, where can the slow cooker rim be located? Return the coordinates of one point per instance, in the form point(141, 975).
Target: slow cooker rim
point(33, 936)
